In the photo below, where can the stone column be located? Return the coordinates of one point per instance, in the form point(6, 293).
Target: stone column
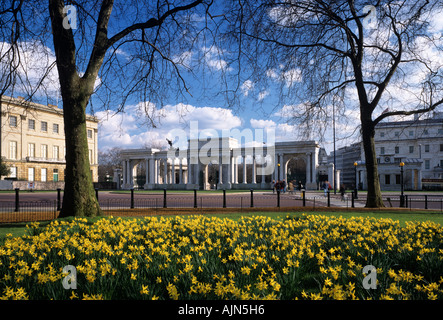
point(173, 171)
point(308, 168)
point(220, 171)
point(244, 170)
point(236, 170)
point(180, 177)
point(254, 180)
point(165, 174)
point(282, 175)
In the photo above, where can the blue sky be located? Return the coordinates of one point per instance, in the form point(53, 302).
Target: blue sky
point(257, 107)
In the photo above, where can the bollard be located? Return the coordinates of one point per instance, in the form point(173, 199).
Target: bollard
point(304, 198)
point(224, 198)
point(278, 198)
point(252, 198)
point(352, 199)
point(164, 198)
point(406, 201)
point(58, 199)
point(426, 201)
point(195, 198)
point(329, 198)
point(17, 203)
point(132, 198)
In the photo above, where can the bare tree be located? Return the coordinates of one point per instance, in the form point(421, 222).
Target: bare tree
point(109, 50)
point(343, 54)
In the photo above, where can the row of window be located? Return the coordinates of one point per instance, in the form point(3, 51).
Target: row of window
point(411, 149)
point(31, 174)
point(43, 151)
point(43, 126)
point(410, 133)
point(31, 151)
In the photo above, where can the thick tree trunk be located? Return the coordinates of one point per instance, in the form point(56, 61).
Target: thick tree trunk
point(374, 199)
point(79, 196)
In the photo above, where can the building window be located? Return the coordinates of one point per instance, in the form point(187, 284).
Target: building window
point(425, 132)
point(13, 121)
point(426, 147)
point(396, 133)
point(55, 152)
point(397, 149)
point(441, 147)
point(382, 134)
point(44, 126)
point(427, 164)
point(55, 128)
point(44, 151)
point(44, 174)
point(31, 172)
point(13, 173)
point(382, 150)
point(411, 149)
point(13, 150)
point(397, 160)
point(397, 179)
point(31, 150)
point(387, 179)
point(441, 163)
point(89, 134)
point(31, 124)
point(411, 133)
point(55, 175)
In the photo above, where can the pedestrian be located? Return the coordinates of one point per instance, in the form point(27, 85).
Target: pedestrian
point(325, 187)
point(300, 186)
point(342, 191)
point(284, 185)
point(291, 188)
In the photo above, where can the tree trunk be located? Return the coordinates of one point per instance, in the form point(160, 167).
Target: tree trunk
point(79, 195)
point(374, 199)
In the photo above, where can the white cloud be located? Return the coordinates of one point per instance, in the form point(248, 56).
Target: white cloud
point(289, 77)
point(263, 94)
point(214, 58)
point(126, 130)
point(247, 86)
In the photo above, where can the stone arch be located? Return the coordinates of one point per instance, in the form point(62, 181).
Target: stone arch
point(295, 168)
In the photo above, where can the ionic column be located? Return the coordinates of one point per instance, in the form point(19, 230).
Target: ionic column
point(173, 171)
point(244, 170)
point(308, 168)
point(220, 171)
point(165, 174)
point(180, 177)
point(254, 180)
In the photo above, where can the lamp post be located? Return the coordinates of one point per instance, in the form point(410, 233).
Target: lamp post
point(402, 197)
point(278, 173)
point(356, 189)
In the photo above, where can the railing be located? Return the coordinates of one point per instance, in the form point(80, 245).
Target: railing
point(20, 211)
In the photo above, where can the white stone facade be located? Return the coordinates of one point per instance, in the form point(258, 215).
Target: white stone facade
point(188, 169)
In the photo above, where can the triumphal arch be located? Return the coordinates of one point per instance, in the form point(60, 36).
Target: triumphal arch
point(219, 163)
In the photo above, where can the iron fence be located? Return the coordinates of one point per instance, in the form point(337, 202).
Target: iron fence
point(23, 211)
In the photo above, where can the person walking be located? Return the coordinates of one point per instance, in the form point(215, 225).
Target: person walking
point(291, 187)
point(342, 192)
point(325, 187)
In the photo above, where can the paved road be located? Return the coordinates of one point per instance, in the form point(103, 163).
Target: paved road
point(240, 199)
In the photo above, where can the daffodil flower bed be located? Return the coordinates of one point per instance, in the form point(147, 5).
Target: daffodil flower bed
point(198, 257)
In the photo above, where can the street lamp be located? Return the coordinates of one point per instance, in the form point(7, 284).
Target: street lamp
point(356, 189)
point(402, 197)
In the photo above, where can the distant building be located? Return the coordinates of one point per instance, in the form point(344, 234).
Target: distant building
point(417, 143)
point(33, 141)
point(345, 158)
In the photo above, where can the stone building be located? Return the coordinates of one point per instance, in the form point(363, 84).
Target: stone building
point(237, 167)
point(33, 143)
point(418, 144)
